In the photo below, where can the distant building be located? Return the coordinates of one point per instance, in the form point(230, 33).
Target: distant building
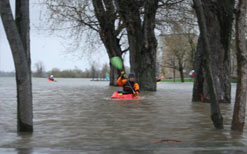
point(163, 55)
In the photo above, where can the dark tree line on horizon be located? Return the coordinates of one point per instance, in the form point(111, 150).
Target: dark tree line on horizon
point(123, 26)
point(93, 72)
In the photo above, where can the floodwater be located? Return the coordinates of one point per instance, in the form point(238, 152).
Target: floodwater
point(78, 116)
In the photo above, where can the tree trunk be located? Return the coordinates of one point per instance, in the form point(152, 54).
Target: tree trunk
point(219, 19)
point(22, 20)
point(23, 24)
point(113, 75)
point(238, 119)
point(181, 71)
point(19, 43)
point(141, 39)
point(106, 17)
point(215, 108)
point(199, 78)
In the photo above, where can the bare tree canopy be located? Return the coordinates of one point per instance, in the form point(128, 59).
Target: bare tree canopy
point(40, 69)
point(96, 18)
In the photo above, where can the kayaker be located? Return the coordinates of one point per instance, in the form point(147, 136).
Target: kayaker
point(51, 78)
point(192, 73)
point(129, 85)
point(158, 79)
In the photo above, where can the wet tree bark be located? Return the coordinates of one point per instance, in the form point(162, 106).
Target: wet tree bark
point(141, 37)
point(18, 37)
point(107, 17)
point(114, 74)
point(21, 19)
point(215, 108)
point(199, 79)
point(219, 19)
point(238, 119)
point(23, 24)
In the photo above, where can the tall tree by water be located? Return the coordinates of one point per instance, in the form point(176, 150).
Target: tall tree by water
point(107, 17)
point(214, 102)
point(17, 32)
point(92, 17)
point(238, 119)
point(198, 93)
point(139, 19)
point(219, 21)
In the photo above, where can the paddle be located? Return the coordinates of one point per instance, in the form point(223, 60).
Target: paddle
point(118, 64)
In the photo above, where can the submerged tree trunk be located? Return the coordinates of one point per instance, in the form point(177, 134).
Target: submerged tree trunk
point(18, 38)
point(199, 79)
point(215, 108)
point(141, 39)
point(107, 17)
point(23, 25)
point(238, 119)
point(219, 19)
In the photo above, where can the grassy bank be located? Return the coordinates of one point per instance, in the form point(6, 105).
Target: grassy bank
point(188, 80)
point(178, 80)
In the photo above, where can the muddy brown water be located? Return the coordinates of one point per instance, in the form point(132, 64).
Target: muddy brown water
point(78, 116)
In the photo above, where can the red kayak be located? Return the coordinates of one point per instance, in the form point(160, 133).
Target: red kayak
point(117, 95)
point(50, 80)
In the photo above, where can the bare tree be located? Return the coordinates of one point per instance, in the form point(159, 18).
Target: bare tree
point(219, 21)
point(105, 12)
point(40, 69)
point(103, 20)
point(91, 17)
point(18, 37)
point(104, 70)
point(178, 49)
point(173, 12)
point(198, 95)
point(215, 108)
point(93, 71)
point(238, 119)
point(169, 61)
point(139, 19)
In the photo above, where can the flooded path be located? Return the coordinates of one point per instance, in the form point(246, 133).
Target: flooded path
point(78, 116)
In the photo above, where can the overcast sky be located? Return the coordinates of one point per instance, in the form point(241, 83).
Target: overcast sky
point(48, 48)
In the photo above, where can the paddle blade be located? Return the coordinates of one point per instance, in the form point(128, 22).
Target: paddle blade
point(117, 62)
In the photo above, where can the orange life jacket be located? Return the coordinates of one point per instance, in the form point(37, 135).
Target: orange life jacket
point(127, 85)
